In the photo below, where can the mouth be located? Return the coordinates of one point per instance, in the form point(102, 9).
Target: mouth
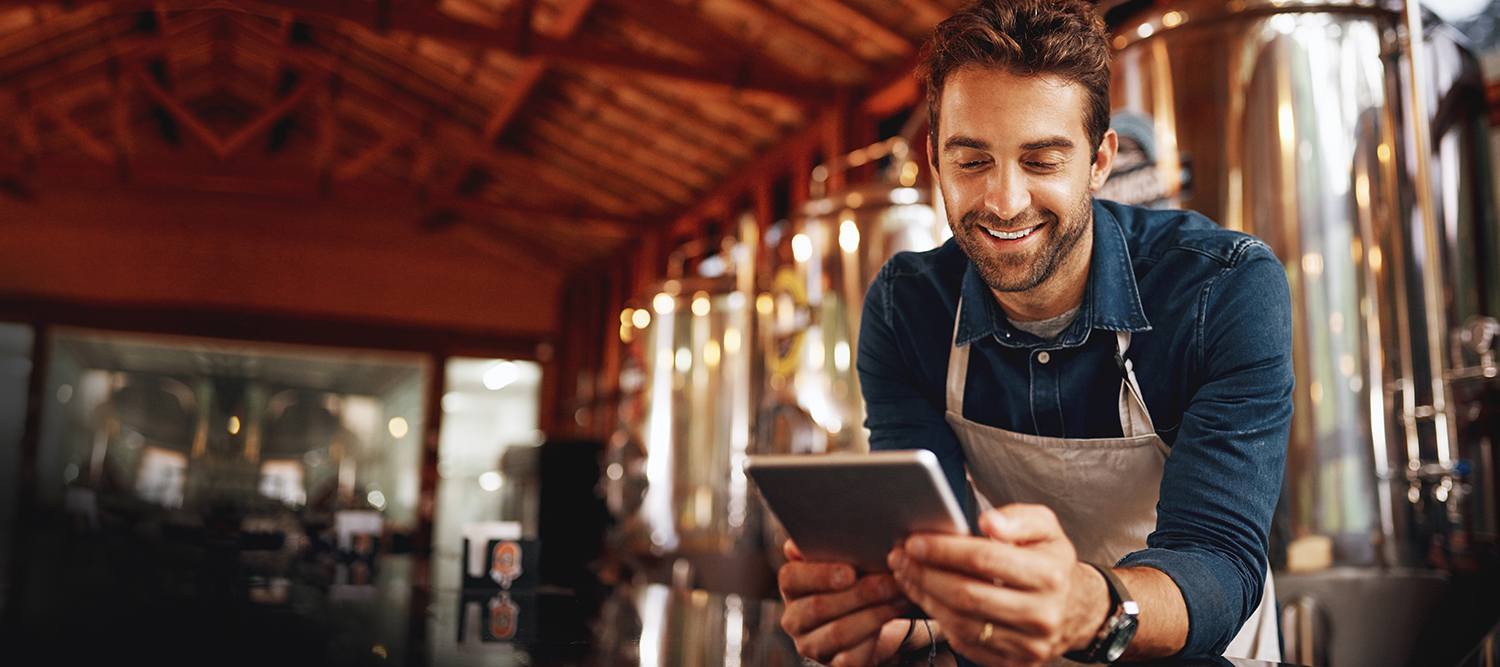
point(1012, 236)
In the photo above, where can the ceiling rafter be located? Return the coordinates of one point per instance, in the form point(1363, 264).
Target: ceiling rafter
point(366, 160)
point(527, 77)
point(864, 24)
point(681, 167)
point(80, 136)
point(773, 22)
point(929, 12)
point(608, 159)
point(754, 127)
point(563, 130)
point(709, 148)
point(613, 126)
point(649, 201)
point(706, 37)
point(526, 169)
point(226, 147)
point(433, 24)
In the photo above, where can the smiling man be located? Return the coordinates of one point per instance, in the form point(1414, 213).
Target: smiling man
point(1111, 384)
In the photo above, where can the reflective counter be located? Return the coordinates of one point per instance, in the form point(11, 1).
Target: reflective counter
point(340, 616)
point(646, 626)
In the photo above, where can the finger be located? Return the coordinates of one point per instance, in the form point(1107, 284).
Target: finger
point(806, 613)
point(859, 655)
point(1003, 645)
point(1021, 523)
point(991, 561)
point(847, 632)
point(959, 592)
point(799, 578)
point(1026, 611)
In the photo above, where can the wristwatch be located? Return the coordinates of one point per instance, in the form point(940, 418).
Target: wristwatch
point(1118, 628)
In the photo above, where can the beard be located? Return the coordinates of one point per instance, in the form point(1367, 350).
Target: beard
point(1023, 270)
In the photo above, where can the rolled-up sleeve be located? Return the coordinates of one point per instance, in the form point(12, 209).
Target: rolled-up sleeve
point(1223, 477)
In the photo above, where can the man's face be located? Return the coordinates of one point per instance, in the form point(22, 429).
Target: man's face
point(1014, 163)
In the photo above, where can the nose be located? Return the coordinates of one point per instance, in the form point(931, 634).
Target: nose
point(1006, 194)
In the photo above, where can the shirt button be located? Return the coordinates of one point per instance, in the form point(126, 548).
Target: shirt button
point(1043, 357)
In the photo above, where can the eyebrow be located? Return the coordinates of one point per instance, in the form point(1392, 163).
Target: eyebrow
point(969, 142)
point(964, 142)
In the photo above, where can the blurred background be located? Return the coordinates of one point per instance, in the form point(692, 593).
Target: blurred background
point(309, 309)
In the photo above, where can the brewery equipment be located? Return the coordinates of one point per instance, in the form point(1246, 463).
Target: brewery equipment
point(1359, 154)
point(675, 475)
point(728, 360)
point(822, 262)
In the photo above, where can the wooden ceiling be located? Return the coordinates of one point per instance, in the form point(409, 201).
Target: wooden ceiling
point(565, 129)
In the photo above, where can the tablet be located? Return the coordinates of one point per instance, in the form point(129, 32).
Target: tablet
point(853, 508)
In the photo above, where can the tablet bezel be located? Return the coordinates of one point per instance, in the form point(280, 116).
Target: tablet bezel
point(854, 508)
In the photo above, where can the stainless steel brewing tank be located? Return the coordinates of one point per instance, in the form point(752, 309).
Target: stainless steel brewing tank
point(1291, 121)
point(822, 262)
point(693, 422)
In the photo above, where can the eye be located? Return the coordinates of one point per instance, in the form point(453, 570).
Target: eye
point(1044, 166)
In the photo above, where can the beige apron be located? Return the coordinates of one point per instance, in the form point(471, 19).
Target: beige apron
point(1103, 490)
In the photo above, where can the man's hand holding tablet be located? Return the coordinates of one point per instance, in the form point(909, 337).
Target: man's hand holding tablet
point(845, 513)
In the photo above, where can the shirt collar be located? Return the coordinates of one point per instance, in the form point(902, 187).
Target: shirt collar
point(1111, 299)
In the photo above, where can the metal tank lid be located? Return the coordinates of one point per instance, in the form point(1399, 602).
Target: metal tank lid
point(1131, 21)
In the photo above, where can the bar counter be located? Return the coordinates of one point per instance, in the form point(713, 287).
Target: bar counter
point(644, 626)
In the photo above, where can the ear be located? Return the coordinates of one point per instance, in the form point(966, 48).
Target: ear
point(1104, 161)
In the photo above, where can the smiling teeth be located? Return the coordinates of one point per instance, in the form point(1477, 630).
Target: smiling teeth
point(1010, 236)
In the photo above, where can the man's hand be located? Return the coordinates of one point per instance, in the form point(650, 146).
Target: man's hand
point(838, 619)
point(1019, 598)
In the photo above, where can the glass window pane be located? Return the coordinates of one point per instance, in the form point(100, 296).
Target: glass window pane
point(188, 481)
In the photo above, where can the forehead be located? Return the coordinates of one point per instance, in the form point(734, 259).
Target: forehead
point(995, 106)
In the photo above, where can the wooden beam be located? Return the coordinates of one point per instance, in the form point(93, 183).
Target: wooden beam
point(226, 147)
point(269, 117)
point(770, 164)
point(424, 22)
point(365, 160)
point(870, 28)
point(526, 79)
point(815, 43)
point(80, 136)
point(712, 41)
point(527, 169)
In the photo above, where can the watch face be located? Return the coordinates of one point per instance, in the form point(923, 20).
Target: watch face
point(1120, 638)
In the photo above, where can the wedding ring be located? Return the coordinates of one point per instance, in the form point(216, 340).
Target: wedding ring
point(989, 629)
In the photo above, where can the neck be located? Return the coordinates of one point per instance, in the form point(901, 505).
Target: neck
point(1031, 307)
point(1058, 294)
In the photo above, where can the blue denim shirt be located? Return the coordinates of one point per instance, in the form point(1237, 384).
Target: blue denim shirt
point(1209, 312)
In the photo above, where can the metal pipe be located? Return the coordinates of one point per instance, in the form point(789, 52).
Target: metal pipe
point(1444, 423)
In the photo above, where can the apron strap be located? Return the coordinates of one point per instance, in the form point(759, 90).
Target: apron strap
point(1135, 420)
point(958, 367)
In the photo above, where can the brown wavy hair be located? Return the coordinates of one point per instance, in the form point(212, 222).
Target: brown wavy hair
point(1063, 38)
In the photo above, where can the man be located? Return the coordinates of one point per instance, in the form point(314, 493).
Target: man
point(1099, 372)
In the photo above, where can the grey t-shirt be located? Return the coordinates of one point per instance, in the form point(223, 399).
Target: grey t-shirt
point(1049, 328)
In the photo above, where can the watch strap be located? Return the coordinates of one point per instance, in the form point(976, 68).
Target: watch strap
point(1118, 628)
